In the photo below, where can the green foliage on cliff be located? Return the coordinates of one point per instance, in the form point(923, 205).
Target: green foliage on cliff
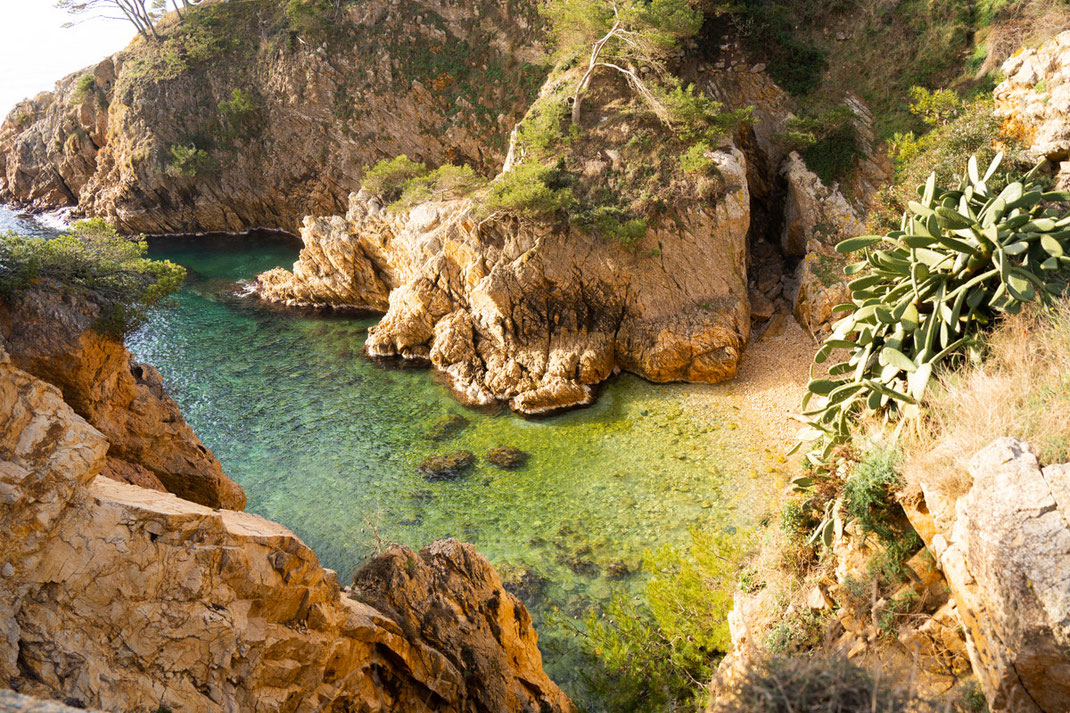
point(922, 294)
point(404, 183)
point(95, 263)
point(827, 140)
point(530, 189)
point(659, 654)
point(239, 115)
point(188, 161)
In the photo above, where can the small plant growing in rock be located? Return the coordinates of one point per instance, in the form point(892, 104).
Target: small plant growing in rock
point(93, 262)
point(188, 161)
point(239, 115)
point(922, 294)
point(84, 88)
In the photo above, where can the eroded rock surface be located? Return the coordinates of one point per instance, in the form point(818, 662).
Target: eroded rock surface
point(393, 77)
point(1004, 547)
point(51, 335)
point(536, 315)
point(1034, 100)
point(127, 599)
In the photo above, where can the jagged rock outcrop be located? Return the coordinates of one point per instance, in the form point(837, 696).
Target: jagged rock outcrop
point(127, 599)
point(817, 217)
point(1004, 547)
point(50, 334)
point(536, 315)
point(1034, 101)
point(384, 78)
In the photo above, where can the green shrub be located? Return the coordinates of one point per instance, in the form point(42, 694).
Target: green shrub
point(974, 132)
point(613, 221)
point(531, 190)
point(659, 654)
point(922, 294)
point(84, 88)
point(869, 494)
point(93, 261)
point(935, 108)
point(540, 132)
point(188, 161)
point(800, 631)
point(444, 183)
point(695, 160)
point(239, 115)
point(388, 177)
point(826, 139)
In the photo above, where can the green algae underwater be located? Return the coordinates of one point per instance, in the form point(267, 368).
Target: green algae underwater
point(328, 443)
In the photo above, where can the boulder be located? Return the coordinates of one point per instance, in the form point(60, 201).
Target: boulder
point(1034, 98)
point(1004, 547)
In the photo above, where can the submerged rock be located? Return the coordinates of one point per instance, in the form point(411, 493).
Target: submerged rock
point(447, 427)
point(449, 466)
point(507, 457)
point(524, 582)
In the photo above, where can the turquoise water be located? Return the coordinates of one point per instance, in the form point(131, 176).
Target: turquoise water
point(327, 442)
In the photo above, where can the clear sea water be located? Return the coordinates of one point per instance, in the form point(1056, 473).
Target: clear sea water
point(327, 442)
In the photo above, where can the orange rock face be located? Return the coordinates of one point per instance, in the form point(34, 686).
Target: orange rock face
point(123, 598)
point(51, 336)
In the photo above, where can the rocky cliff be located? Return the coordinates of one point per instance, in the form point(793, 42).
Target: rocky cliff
point(537, 313)
point(127, 599)
point(536, 316)
point(156, 140)
point(49, 333)
point(1004, 547)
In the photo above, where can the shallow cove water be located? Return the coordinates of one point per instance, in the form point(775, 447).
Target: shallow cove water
point(327, 442)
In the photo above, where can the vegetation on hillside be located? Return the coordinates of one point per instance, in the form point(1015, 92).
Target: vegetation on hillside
point(1021, 388)
point(96, 264)
point(923, 294)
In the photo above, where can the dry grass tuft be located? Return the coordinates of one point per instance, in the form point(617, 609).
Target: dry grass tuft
point(1022, 389)
point(783, 684)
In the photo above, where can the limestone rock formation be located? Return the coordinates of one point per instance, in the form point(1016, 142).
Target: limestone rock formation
point(126, 599)
point(536, 315)
point(1034, 100)
point(1004, 547)
point(387, 77)
point(50, 335)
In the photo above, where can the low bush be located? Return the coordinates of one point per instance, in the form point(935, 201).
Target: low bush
point(974, 131)
point(94, 262)
point(444, 183)
point(869, 494)
point(188, 161)
point(239, 115)
point(827, 140)
point(388, 177)
point(84, 88)
point(531, 190)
